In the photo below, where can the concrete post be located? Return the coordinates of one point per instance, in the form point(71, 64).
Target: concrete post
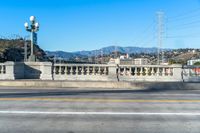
point(46, 71)
point(112, 73)
point(10, 75)
point(177, 72)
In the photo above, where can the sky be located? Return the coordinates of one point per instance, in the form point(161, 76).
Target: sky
point(74, 25)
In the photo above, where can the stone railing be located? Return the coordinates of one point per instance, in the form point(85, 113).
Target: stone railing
point(117, 73)
point(149, 73)
point(80, 72)
point(98, 72)
point(191, 73)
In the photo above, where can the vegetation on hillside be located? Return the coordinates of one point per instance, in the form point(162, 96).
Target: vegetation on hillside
point(13, 50)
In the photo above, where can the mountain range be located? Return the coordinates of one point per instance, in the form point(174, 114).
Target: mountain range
point(105, 50)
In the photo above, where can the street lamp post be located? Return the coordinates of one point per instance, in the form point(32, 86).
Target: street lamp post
point(34, 27)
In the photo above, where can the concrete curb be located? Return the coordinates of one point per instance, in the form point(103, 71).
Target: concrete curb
point(100, 84)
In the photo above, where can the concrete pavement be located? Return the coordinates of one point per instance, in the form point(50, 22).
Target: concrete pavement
point(108, 111)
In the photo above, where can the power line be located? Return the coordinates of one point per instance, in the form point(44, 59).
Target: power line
point(184, 36)
point(184, 14)
point(185, 24)
point(184, 27)
point(150, 40)
point(183, 18)
point(145, 33)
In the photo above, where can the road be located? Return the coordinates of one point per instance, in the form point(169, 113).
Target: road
point(26, 110)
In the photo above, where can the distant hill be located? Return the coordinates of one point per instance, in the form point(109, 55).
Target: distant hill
point(13, 50)
point(62, 54)
point(110, 49)
point(105, 50)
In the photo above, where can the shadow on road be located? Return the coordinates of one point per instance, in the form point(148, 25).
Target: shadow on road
point(152, 88)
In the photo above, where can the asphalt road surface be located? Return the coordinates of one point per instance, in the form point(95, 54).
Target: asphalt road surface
point(25, 110)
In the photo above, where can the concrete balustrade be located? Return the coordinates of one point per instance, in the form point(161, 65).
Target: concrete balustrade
point(98, 72)
point(80, 72)
point(150, 73)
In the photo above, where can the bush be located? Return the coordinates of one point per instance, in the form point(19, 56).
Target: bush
point(197, 63)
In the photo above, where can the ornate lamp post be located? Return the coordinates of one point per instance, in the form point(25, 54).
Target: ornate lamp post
point(34, 27)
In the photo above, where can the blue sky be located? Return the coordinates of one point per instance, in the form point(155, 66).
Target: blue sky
point(73, 25)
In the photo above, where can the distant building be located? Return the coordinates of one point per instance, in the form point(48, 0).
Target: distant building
point(114, 61)
point(191, 62)
point(125, 61)
point(124, 56)
point(141, 61)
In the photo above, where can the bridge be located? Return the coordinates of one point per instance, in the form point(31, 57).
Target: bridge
point(98, 97)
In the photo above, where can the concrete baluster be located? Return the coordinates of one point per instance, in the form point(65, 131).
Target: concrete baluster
point(136, 71)
point(103, 70)
point(130, 71)
point(93, 70)
point(152, 71)
point(60, 70)
point(66, 70)
point(96, 70)
point(141, 71)
point(99, 70)
point(77, 70)
point(71, 70)
point(147, 71)
point(1, 69)
point(163, 71)
point(107, 70)
point(88, 70)
point(125, 71)
point(82, 70)
point(158, 71)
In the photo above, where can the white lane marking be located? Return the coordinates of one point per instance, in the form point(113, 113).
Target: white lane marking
point(98, 113)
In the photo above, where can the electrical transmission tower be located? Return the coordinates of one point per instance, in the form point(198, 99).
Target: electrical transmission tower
point(160, 21)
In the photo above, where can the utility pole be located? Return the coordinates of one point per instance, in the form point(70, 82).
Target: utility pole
point(160, 18)
point(101, 56)
point(115, 52)
point(25, 48)
point(25, 51)
point(95, 56)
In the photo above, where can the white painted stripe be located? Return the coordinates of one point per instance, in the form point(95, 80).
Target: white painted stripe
point(98, 113)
